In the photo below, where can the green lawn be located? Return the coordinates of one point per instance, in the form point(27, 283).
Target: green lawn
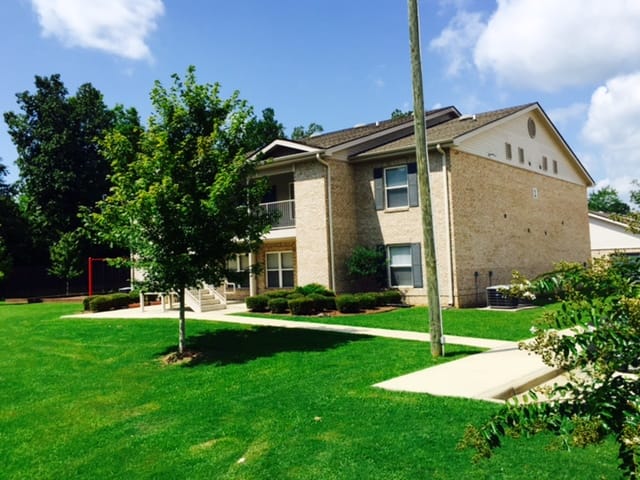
point(469, 322)
point(87, 398)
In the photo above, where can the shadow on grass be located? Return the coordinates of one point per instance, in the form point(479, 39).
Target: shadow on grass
point(224, 347)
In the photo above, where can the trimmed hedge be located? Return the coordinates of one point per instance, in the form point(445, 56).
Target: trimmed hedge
point(278, 305)
point(391, 297)
point(302, 306)
point(347, 303)
point(103, 303)
point(367, 301)
point(257, 303)
point(315, 288)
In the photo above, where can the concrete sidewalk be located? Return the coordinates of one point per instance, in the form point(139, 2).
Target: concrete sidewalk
point(495, 375)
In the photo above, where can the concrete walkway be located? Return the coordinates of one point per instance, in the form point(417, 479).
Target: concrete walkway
point(499, 373)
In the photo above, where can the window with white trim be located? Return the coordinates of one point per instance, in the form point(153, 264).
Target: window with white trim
point(404, 265)
point(238, 270)
point(279, 269)
point(396, 186)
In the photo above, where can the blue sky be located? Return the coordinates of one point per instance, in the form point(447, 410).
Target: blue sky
point(340, 63)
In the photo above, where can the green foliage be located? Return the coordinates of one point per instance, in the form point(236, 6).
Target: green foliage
point(302, 306)
point(315, 288)
point(300, 132)
point(607, 200)
point(61, 168)
point(260, 132)
point(366, 301)
point(397, 113)
point(5, 260)
point(184, 190)
point(390, 297)
point(257, 303)
point(602, 356)
point(278, 305)
point(347, 303)
point(367, 267)
point(115, 301)
point(279, 293)
point(66, 260)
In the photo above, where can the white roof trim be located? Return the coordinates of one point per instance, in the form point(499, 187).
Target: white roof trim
point(602, 218)
point(288, 144)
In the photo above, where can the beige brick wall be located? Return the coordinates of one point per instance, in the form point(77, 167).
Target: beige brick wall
point(498, 224)
point(261, 258)
point(312, 232)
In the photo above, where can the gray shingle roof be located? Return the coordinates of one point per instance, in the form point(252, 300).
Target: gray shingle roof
point(448, 131)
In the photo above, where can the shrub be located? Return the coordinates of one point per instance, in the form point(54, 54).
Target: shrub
point(278, 305)
point(347, 303)
point(367, 267)
point(391, 297)
point(279, 294)
point(329, 303)
point(257, 303)
point(103, 303)
point(301, 306)
point(315, 288)
point(86, 301)
point(367, 301)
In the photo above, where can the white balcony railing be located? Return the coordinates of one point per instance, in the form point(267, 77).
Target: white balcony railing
point(286, 211)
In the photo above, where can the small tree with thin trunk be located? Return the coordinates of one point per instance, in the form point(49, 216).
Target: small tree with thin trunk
point(66, 259)
point(184, 197)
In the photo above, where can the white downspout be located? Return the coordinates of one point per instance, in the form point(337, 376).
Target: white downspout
point(330, 206)
point(447, 210)
point(252, 278)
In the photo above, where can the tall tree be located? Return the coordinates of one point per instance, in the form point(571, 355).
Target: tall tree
point(66, 260)
point(259, 132)
point(300, 132)
point(183, 199)
point(607, 200)
point(61, 167)
point(397, 113)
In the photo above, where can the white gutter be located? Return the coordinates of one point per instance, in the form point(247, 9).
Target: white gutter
point(330, 206)
point(447, 209)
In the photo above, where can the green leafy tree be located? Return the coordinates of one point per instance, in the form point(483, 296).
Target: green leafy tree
point(602, 356)
point(366, 268)
point(183, 197)
point(5, 260)
point(300, 132)
point(397, 113)
point(66, 258)
point(260, 132)
point(607, 200)
point(61, 167)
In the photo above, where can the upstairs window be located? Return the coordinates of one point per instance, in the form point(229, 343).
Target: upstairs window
point(396, 187)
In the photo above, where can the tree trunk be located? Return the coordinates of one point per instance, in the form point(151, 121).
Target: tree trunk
point(181, 323)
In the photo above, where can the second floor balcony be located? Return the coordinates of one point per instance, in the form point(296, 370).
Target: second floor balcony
point(285, 210)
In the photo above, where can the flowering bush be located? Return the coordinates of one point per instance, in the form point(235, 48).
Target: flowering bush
point(519, 288)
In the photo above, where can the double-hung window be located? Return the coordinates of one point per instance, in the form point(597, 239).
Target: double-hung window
point(238, 270)
point(396, 187)
point(404, 265)
point(279, 269)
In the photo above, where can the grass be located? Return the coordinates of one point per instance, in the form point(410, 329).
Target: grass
point(89, 398)
point(494, 324)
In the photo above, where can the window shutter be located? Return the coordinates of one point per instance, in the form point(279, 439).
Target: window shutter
point(412, 180)
point(378, 188)
point(416, 265)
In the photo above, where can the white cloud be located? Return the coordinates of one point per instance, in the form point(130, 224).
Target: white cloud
point(119, 27)
point(613, 128)
point(562, 116)
point(550, 44)
point(457, 39)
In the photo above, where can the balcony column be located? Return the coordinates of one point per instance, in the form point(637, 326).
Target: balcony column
point(252, 277)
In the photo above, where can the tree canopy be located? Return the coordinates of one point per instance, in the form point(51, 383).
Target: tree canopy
point(61, 167)
point(606, 200)
point(260, 132)
point(300, 132)
point(183, 197)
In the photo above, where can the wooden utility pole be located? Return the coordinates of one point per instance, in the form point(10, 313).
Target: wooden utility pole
point(422, 158)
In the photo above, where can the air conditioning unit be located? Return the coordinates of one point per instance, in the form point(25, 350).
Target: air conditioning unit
point(496, 299)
